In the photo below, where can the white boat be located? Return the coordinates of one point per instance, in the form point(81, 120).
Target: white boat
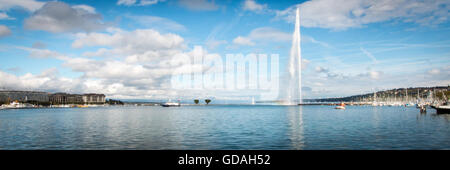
point(340, 107)
point(16, 104)
point(445, 109)
point(171, 104)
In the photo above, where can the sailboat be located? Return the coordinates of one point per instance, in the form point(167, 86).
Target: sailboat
point(374, 103)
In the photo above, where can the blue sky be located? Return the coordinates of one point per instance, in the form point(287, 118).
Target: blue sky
point(348, 46)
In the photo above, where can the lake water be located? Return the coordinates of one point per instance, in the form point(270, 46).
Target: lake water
point(224, 127)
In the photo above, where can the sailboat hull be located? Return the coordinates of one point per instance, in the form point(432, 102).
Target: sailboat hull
point(442, 109)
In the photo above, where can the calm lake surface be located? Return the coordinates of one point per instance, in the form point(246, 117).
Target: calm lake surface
point(224, 127)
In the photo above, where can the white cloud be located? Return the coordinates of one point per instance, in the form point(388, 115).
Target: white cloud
point(268, 34)
point(157, 22)
point(198, 5)
point(87, 8)
point(343, 14)
point(252, 5)
point(243, 41)
point(375, 74)
point(30, 5)
point(47, 80)
point(142, 42)
point(4, 31)
point(149, 2)
point(263, 34)
point(213, 44)
point(113, 77)
point(321, 69)
point(39, 45)
point(4, 16)
point(140, 3)
point(142, 64)
point(126, 2)
point(272, 34)
point(60, 17)
point(43, 53)
point(434, 71)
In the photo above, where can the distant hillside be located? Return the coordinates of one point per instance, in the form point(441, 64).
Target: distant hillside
point(395, 94)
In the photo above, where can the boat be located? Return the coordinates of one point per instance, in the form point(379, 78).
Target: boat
point(16, 105)
point(442, 109)
point(171, 104)
point(341, 106)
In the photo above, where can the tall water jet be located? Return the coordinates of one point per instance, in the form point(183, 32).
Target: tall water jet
point(294, 91)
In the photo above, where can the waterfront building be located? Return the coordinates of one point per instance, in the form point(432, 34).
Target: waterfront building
point(44, 98)
point(24, 96)
point(93, 98)
point(65, 98)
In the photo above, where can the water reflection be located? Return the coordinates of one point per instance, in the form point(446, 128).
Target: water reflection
point(433, 115)
point(224, 127)
point(296, 127)
point(445, 117)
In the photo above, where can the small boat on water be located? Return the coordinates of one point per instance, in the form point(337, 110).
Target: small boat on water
point(17, 105)
point(341, 106)
point(171, 104)
point(444, 109)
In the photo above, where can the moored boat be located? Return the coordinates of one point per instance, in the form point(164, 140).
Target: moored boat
point(445, 109)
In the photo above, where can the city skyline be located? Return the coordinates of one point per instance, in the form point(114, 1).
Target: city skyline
point(125, 48)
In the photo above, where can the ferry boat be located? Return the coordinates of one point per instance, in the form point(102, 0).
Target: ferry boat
point(16, 105)
point(171, 104)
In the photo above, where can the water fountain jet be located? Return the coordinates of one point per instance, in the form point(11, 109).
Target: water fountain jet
point(294, 90)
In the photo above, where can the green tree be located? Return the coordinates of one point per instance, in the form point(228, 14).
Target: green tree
point(207, 101)
point(196, 101)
